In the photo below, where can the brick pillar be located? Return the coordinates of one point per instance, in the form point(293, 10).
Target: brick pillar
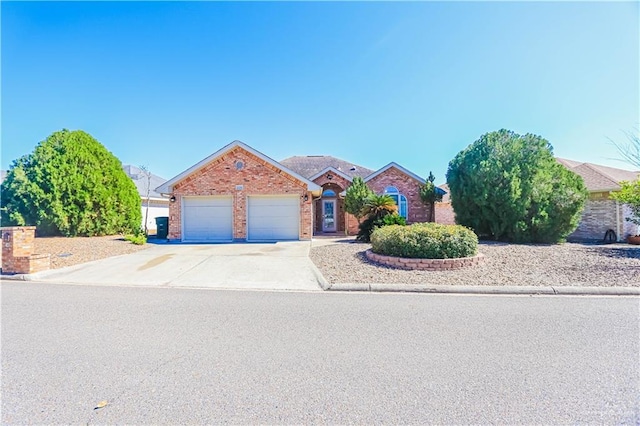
point(18, 244)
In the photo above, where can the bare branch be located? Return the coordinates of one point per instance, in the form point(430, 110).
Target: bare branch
point(630, 150)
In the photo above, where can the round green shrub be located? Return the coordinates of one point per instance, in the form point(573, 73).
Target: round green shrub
point(509, 187)
point(70, 185)
point(425, 241)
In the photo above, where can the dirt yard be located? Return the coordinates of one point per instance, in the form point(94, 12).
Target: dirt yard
point(71, 251)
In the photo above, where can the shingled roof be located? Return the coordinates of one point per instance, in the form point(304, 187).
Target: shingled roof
point(140, 179)
point(599, 178)
point(446, 198)
point(310, 165)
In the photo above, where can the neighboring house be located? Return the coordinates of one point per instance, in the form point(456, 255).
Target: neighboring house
point(444, 211)
point(601, 213)
point(158, 205)
point(240, 194)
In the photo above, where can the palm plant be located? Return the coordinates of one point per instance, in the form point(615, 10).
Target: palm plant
point(378, 206)
point(375, 209)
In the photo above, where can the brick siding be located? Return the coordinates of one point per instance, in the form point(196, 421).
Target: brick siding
point(599, 215)
point(18, 243)
point(445, 214)
point(425, 264)
point(257, 177)
point(337, 184)
point(408, 186)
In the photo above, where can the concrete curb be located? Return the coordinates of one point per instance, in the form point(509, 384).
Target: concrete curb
point(435, 289)
point(512, 290)
point(59, 271)
point(322, 281)
point(16, 277)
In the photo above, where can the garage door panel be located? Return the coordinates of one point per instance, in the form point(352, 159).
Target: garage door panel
point(207, 219)
point(273, 218)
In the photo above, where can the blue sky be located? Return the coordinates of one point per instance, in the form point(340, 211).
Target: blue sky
point(166, 84)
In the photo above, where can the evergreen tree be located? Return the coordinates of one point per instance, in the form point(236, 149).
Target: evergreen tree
point(356, 198)
point(429, 194)
point(70, 185)
point(509, 187)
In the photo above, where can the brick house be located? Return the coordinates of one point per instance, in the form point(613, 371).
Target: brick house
point(444, 211)
point(240, 194)
point(601, 213)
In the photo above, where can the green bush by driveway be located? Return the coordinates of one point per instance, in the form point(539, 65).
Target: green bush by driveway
point(70, 185)
point(425, 241)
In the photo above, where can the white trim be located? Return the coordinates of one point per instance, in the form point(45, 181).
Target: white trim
point(167, 187)
point(618, 230)
point(399, 195)
point(397, 166)
point(163, 199)
point(331, 169)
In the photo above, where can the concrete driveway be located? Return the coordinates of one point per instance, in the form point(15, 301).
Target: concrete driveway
point(266, 266)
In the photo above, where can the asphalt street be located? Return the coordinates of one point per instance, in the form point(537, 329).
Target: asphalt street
point(178, 356)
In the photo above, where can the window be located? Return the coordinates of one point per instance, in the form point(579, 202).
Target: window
point(401, 200)
point(329, 193)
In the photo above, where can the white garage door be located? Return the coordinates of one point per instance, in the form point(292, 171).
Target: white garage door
point(207, 219)
point(273, 218)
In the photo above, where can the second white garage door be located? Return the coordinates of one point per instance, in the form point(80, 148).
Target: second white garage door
point(273, 218)
point(207, 219)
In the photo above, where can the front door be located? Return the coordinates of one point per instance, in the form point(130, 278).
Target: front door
point(328, 215)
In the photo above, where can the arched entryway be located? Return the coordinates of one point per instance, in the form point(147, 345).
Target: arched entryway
point(329, 210)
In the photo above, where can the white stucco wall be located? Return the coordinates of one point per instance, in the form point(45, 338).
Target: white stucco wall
point(156, 209)
point(628, 227)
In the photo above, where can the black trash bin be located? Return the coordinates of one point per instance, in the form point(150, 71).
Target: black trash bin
point(162, 227)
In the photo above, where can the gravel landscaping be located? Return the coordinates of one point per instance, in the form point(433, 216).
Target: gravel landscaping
point(72, 251)
point(570, 264)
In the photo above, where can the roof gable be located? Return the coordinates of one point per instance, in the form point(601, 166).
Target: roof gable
point(599, 178)
point(331, 169)
point(167, 187)
point(401, 169)
point(397, 167)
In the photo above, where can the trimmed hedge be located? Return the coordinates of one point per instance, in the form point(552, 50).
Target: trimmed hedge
point(425, 241)
point(369, 224)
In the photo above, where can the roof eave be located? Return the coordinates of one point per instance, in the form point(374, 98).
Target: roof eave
point(604, 189)
point(167, 187)
point(331, 169)
point(398, 167)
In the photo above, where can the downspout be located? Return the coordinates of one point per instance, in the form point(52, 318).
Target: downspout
point(618, 221)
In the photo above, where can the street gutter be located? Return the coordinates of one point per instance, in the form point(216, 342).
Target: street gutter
point(439, 289)
point(471, 289)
